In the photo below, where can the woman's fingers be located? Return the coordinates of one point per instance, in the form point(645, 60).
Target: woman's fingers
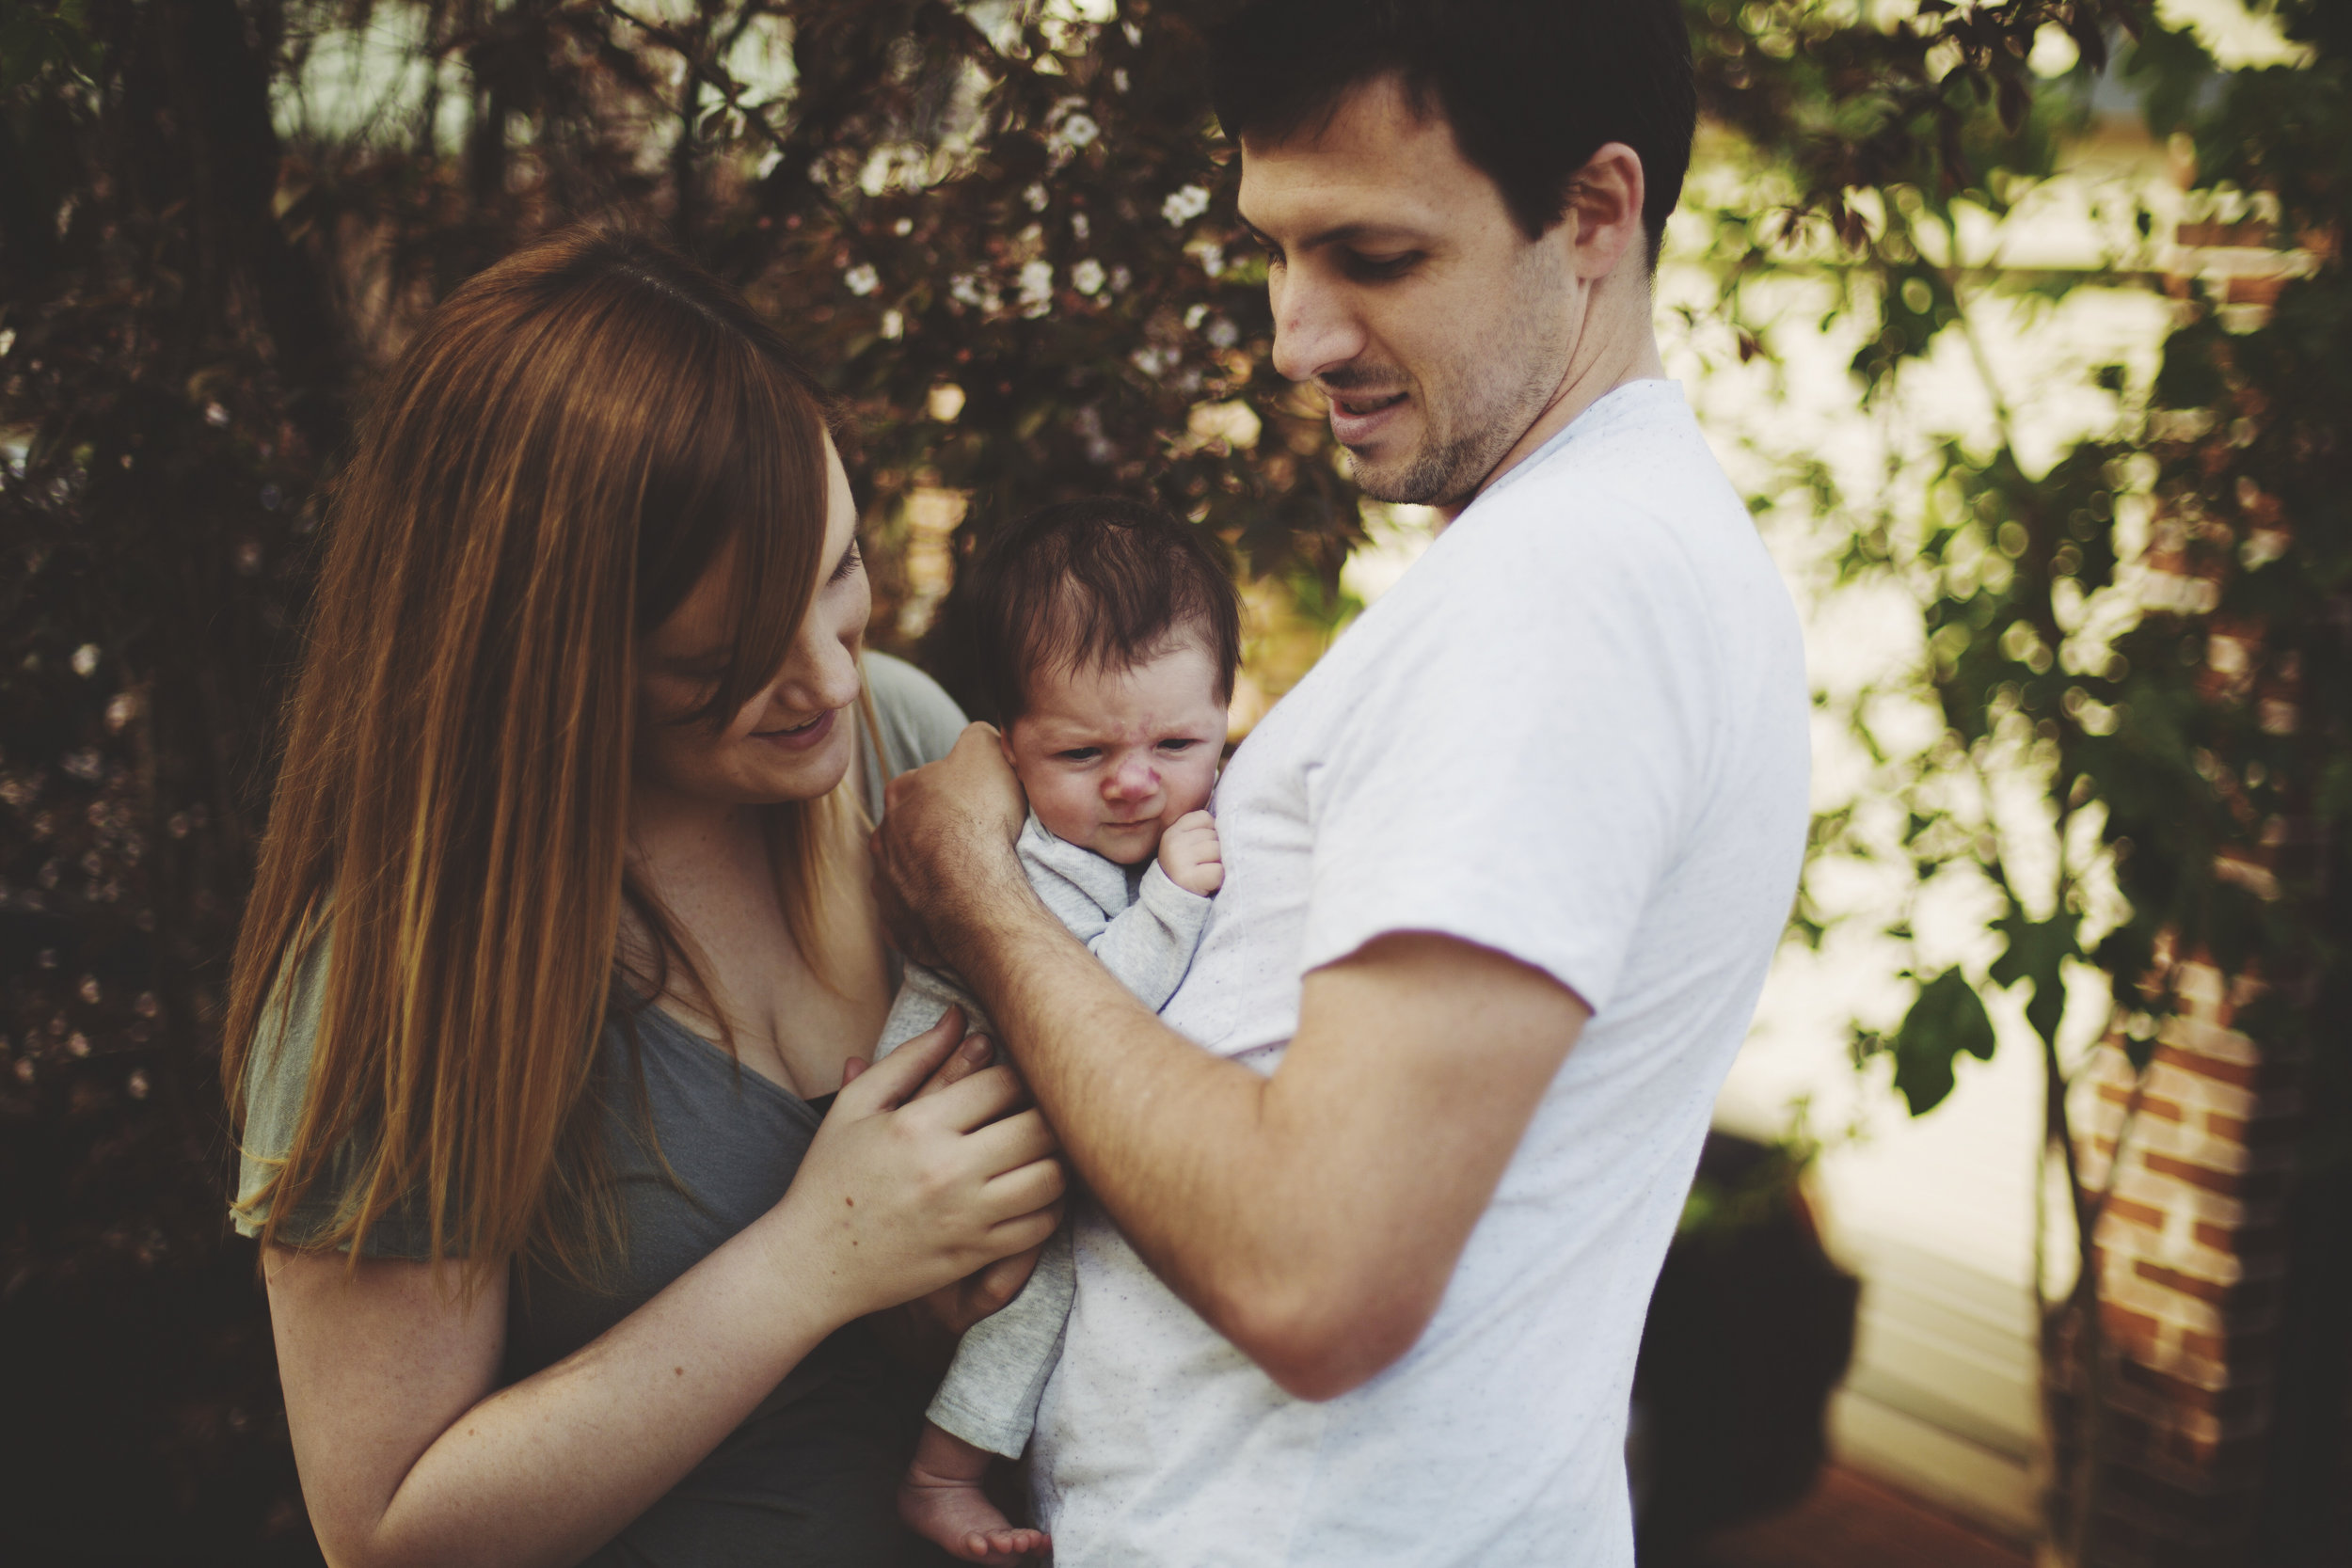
point(1024, 1232)
point(973, 1054)
point(980, 1099)
point(894, 1079)
point(1026, 1189)
point(1012, 1142)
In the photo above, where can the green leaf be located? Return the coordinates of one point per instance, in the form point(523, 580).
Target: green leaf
point(1948, 1018)
point(2037, 951)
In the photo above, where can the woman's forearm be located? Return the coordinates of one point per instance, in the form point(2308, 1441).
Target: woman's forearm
point(406, 1455)
point(547, 1469)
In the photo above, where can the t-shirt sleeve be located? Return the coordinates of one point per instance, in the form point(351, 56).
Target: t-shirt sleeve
point(277, 1075)
point(919, 720)
point(1527, 756)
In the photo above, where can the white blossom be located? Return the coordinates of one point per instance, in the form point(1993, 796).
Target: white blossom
point(862, 280)
point(1184, 204)
point(1037, 287)
point(1086, 277)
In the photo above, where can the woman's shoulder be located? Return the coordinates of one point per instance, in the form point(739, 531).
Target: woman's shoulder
point(919, 721)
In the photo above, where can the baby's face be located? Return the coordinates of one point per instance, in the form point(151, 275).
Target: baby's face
point(1110, 759)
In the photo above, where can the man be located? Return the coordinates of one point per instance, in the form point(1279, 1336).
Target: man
point(1363, 1279)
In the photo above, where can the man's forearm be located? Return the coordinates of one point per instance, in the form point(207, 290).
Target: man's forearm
point(1170, 1138)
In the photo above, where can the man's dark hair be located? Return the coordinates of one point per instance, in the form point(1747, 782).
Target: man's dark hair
point(1102, 583)
point(1531, 88)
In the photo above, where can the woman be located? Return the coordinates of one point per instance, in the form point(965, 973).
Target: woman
point(560, 943)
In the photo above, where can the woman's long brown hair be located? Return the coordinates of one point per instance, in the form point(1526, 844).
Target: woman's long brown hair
point(572, 441)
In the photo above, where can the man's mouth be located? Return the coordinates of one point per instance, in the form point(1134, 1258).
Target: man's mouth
point(1361, 404)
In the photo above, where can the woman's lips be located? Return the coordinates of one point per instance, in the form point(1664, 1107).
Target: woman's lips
point(1358, 420)
point(807, 738)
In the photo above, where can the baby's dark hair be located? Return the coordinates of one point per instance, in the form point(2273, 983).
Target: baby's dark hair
point(1103, 583)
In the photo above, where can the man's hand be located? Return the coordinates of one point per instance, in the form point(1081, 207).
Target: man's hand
point(1190, 855)
point(945, 847)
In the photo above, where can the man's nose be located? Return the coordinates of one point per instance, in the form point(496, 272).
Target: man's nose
point(1314, 330)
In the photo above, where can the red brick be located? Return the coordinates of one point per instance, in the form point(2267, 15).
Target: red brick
point(2244, 1075)
point(2238, 1184)
point(2136, 1331)
point(2248, 234)
point(2255, 290)
point(2135, 1214)
point(2252, 1241)
point(2149, 1105)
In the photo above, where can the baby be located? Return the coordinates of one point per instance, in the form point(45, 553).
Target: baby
point(1103, 638)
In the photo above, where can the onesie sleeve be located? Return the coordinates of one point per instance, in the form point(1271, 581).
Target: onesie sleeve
point(1529, 806)
point(1148, 946)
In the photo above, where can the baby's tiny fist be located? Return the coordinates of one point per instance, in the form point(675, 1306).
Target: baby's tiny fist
point(1191, 855)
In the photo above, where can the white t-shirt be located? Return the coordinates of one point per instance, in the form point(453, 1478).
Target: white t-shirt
point(1575, 732)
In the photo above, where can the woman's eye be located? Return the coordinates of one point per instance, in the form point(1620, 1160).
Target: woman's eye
point(851, 560)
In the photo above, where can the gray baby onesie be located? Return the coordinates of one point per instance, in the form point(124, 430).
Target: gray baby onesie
point(1144, 929)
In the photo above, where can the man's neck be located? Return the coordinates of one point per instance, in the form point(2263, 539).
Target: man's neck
point(1626, 353)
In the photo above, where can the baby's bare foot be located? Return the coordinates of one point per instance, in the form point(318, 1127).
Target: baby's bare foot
point(942, 1500)
point(958, 1516)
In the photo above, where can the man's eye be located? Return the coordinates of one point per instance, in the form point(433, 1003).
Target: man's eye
point(1381, 266)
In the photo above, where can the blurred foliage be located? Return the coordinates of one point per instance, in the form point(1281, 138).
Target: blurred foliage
point(1004, 231)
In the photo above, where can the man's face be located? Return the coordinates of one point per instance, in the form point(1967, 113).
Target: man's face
point(1403, 288)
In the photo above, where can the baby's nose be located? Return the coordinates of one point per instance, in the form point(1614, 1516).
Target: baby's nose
point(1133, 778)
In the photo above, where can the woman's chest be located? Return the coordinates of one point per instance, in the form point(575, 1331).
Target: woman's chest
point(794, 1004)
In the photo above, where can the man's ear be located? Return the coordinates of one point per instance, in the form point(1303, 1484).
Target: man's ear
point(1605, 209)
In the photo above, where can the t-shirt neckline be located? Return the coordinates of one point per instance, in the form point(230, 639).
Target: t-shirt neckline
point(1615, 403)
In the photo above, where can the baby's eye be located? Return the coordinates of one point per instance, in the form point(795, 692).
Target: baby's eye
point(1077, 753)
point(1179, 744)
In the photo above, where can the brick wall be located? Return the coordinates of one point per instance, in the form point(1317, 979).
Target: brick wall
point(2192, 1254)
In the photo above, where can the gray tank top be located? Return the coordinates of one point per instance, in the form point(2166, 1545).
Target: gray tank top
point(809, 1477)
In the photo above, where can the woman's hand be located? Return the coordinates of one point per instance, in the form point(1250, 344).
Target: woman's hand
point(924, 1331)
point(905, 1191)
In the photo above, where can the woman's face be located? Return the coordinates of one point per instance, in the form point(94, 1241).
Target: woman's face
point(795, 738)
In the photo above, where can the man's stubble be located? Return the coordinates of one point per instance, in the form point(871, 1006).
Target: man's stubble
point(1469, 428)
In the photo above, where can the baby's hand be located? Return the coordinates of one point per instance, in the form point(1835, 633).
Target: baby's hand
point(1190, 855)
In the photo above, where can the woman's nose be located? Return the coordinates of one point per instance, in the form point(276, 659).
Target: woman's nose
point(820, 675)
